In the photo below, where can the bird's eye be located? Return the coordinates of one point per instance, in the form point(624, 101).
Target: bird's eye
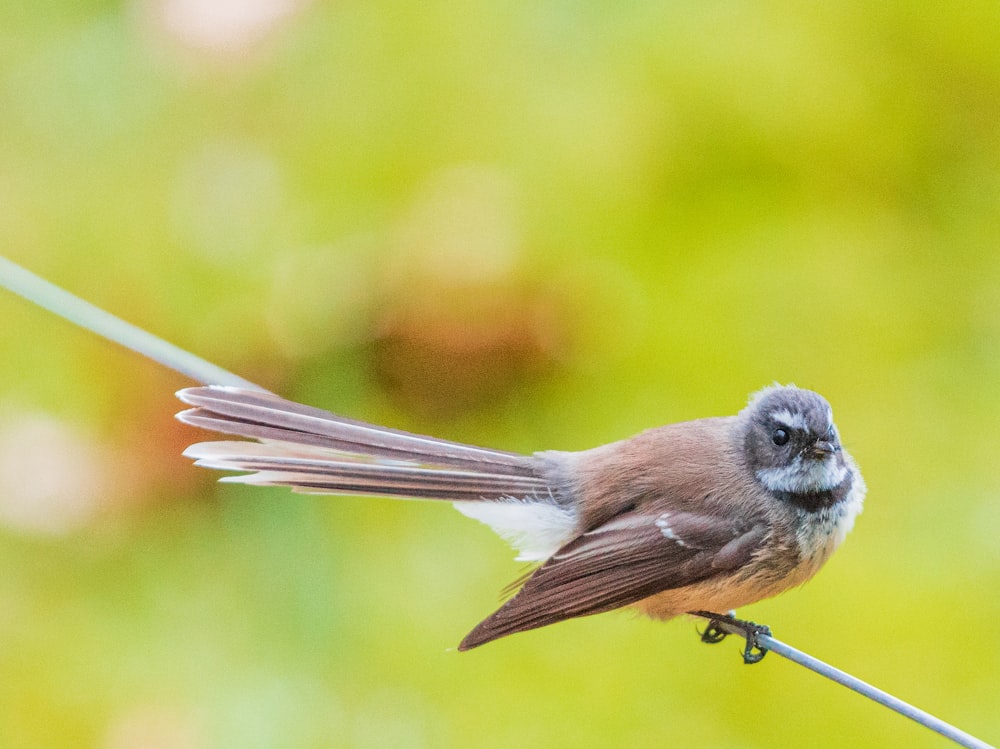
point(779, 437)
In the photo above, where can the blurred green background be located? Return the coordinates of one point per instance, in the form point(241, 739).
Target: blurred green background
point(529, 225)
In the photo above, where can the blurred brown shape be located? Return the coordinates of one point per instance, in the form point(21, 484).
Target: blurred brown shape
point(458, 325)
point(447, 350)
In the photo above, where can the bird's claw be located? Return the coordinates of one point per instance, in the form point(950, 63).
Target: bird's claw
point(753, 652)
point(713, 634)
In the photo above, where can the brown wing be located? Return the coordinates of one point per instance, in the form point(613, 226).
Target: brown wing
point(623, 561)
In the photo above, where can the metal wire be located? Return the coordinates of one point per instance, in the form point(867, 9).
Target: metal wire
point(922, 717)
point(79, 312)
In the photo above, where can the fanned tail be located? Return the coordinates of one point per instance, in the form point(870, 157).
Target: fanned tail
point(315, 451)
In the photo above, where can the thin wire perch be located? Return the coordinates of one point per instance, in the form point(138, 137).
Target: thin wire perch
point(761, 641)
point(35, 289)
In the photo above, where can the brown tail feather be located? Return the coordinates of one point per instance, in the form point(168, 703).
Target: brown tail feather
point(246, 413)
point(324, 471)
point(315, 451)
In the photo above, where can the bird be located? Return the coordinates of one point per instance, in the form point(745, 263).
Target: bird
point(694, 517)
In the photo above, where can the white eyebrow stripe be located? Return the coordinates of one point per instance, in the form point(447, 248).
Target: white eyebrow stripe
point(790, 420)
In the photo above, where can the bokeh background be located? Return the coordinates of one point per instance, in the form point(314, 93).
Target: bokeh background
point(531, 225)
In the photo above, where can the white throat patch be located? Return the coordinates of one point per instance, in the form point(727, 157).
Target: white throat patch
point(804, 476)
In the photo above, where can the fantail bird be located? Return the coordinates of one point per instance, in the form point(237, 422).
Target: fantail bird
point(705, 515)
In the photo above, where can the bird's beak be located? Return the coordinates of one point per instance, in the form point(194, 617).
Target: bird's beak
point(822, 448)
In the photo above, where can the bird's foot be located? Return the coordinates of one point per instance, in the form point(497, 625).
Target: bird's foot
point(720, 625)
point(713, 633)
